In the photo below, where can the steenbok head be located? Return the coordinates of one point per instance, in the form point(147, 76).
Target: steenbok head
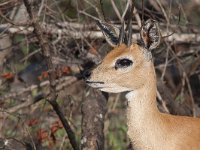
point(125, 68)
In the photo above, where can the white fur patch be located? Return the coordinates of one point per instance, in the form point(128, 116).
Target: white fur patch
point(114, 89)
point(130, 95)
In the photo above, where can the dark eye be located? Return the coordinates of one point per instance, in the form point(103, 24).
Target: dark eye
point(123, 63)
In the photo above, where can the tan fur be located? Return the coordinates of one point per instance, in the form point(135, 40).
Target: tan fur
point(147, 127)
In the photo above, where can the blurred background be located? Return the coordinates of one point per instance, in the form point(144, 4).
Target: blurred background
point(76, 43)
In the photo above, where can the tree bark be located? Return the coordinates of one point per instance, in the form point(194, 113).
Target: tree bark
point(93, 111)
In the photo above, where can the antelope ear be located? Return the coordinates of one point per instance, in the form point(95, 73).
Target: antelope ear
point(110, 32)
point(150, 34)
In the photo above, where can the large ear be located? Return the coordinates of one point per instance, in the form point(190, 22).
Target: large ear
point(110, 32)
point(150, 34)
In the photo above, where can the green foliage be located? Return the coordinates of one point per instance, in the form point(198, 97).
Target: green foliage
point(116, 137)
point(22, 43)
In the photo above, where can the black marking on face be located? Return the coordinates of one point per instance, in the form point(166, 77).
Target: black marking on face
point(90, 82)
point(123, 63)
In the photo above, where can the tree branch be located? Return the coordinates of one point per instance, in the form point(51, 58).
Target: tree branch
point(65, 29)
point(52, 76)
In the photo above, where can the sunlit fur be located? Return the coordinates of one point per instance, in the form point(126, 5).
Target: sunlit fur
point(147, 127)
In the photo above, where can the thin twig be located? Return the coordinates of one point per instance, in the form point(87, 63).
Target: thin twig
point(191, 95)
point(126, 8)
point(163, 103)
point(142, 12)
point(41, 8)
point(186, 79)
point(116, 11)
point(163, 10)
point(166, 63)
point(93, 17)
point(137, 17)
point(101, 6)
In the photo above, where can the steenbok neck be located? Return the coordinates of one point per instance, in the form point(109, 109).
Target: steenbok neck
point(144, 98)
point(142, 113)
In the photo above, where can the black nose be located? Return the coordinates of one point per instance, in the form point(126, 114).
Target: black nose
point(86, 74)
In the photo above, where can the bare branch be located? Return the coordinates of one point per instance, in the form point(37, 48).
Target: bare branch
point(65, 29)
point(116, 11)
point(52, 76)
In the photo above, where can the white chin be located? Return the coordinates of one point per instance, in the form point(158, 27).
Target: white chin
point(95, 85)
point(110, 88)
point(113, 90)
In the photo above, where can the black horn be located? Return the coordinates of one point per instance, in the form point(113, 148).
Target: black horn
point(130, 32)
point(129, 27)
point(121, 35)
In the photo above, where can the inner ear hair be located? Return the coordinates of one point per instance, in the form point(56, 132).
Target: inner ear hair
point(109, 32)
point(150, 34)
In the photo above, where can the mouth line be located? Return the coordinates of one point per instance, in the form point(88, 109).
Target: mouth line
point(91, 82)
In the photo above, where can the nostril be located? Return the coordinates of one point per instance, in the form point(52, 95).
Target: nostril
point(86, 74)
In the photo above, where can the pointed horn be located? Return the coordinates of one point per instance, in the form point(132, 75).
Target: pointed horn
point(121, 35)
point(130, 24)
point(130, 33)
